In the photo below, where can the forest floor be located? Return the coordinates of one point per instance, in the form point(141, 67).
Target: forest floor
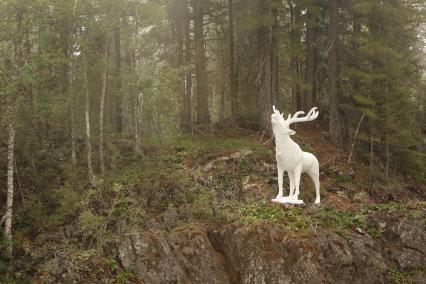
point(216, 185)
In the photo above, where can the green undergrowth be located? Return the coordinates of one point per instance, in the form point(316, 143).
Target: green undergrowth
point(404, 276)
point(167, 190)
point(309, 217)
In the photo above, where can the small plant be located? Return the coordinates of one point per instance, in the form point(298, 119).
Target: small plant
point(125, 276)
point(374, 232)
point(112, 265)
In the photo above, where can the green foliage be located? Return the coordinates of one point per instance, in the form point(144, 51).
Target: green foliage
point(291, 219)
point(125, 276)
point(400, 277)
point(340, 220)
point(93, 226)
point(261, 212)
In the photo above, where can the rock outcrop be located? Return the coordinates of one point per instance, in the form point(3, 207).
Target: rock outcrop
point(264, 253)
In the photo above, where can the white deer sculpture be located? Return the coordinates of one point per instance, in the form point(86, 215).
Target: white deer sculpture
point(291, 158)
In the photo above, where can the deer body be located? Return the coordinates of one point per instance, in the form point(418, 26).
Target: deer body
point(291, 158)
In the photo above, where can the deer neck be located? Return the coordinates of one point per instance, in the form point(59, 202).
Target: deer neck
point(281, 139)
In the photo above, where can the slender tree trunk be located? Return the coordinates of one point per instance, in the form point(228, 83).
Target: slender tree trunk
point(136, 109)
point(335, 129)
point(310, 63)
point(188, 76)
point(101, 112)
point(136, 125)
point(295, 40)
point(18, 62)
point(203, 115)
point(71, 94)
point(265, 94)
point(72, 110)
point(10, 172)
point(232, 79)
point(91, 174)
point(386, 114)
point(180, 23)
point(118, 90)
point(274, 56)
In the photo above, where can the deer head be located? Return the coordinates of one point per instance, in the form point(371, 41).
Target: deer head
point(282, 126)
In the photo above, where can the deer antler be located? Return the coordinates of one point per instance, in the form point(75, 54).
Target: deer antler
point(276, 111)
point(312, 115)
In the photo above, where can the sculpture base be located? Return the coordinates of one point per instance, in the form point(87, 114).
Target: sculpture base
point(286, 200)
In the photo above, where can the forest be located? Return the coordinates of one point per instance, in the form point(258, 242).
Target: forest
point(128, 124)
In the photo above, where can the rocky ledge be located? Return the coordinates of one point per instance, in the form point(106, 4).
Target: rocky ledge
point(264, 253)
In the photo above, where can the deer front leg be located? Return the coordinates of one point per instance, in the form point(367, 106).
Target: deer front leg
point(280, 182)
point(297, 174)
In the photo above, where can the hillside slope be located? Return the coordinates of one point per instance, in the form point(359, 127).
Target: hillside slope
point(199, 211)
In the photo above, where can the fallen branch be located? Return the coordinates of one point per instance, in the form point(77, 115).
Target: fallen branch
point(331, 160)
point(198, 131)
point(353, 143)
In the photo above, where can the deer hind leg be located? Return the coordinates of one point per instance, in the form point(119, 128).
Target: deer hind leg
point(314, 175)
point(297, 174)
point(291, 178)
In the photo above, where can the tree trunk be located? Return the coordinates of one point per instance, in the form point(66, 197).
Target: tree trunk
point(188, 76)
point(310, 62)
point(71, 93)
point(274, 56)
point(87, 115)
point(335, 129)
point(180, 22)
point(10, 170)
point(203, 115)
point(101, 112)
point(118, 91)
point(265, 94)
point(11, 109)
point(295, 60)
point(72, 110)
point(232, 79)
point(136, 125)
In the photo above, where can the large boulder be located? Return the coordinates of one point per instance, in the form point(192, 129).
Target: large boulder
point(186, 256)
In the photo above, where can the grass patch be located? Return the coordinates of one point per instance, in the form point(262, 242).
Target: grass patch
point(340, 220)
point(292, 219)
